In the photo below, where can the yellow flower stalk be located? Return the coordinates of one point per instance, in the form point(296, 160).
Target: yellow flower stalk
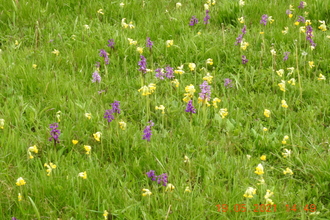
point(2, 123)
point(311, 64)
point(87, 149)
point(123, 23)
point(56, 52)
point(241, 20)
point(169, 43)
point(244, 45)
point(83, 175)
point(282, 85)
point(105, 214)
point(250, 192)
point(215, 101)
point(208, 78)
point(74, 142)
point(287, 171)
point(19, 197)
point(322, 27)
point(139, 49)
point(175, 82)
point(50, 168)
point(20, 182)
point(284, 104)
point(131, 41)
point(292, 81)
point(161, 107)
point(267, 113)
point(192, 66)
point(321, 77)
point(263, 157)
point(178, 5)
point(187, 189)
point(265, 129)
point(285, 31)
point(147, 90)
point(147, 192)
point(186, 159)
point(34, 66)
point(259, 169)
point(122, 125)
point(287, 153)
point(223, 112)
point(97, 136)
point(58, 116)
point(169, 187)
point(209, 61)
point(285, 138)
point(100, 11)
point(88, 115)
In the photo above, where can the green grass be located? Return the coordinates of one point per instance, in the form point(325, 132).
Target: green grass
point(219, 171)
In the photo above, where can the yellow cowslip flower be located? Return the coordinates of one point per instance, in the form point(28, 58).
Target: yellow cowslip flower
point(34, 66)
point(87, 149)
point(321, 77)
point(130, 25)
point(280, 72)
point(16, 42)
point(58, 116)
point(122, 4)
point(284, 104)
point(100, 11)
point(268, 194)
point(287, 153)
point(123, 23)
point(19, 197)
point(88, 115)
point(20, 182)
point(192, 66)
point(175, 82)
point(270, 19)
point(152, 87)
point(263, 157)
point(122, 125)
point(82, 175)
point(2, 123)
point(131, 41)
point(206, 7)
point(261, 181)
point(161, 107)
point(30, 155)
point(311, 64)
point(215, 101)
point(56, 52)
point(190, 89)
point(250, 192)
point(179, 72)
point(169, 187)
point(248, 156)
point(223, 112)
point(292, 81)
point(187, 189)
point(241, 3)
point(241, 20)
point(178, 5)
point(290, 15)
point(105, 214)
point(147, 90)
point(50, 167)
point(259, 169)
point(261, 32)
point(74, 142)
point(287, 171)
point(286, 137)
point(169, 43)
point(86, 26)
point(285, 31)
point(328, 36)
point(282, 85)
point(302, 29)
point(296, 23)
point(203, 101)
point(209, 61)
point(208, 78)
point(269, 201)
point(244, 45)
point(97, 136)
point(265, 129)
point(267, 113)
point(33, 149)
point(147, 192)
point(199, 33)
point(291, 8)
point(273, 52)
point(308, 22)
point(186, 159)
point(139, 49)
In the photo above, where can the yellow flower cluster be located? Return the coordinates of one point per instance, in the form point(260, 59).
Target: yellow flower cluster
point(32, 149)
point(161, 107)
point(50, 168)
point(125, 25)
point(189, 92)
point(147, 90)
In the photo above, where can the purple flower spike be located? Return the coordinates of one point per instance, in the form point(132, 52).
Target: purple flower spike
point(286, 55)
point(190, 108)
point(228, 83)
point(115, 109)
point(193, 21)
point(151, 174)
point(149, 43)
point(264, 19)
point(104, 54)
point(96, 77)
point(54, 133)
point(205, 91)
point(162, 178)
point(302, 5)
point(147, 131)
point(244, 60)
point(207, 17)
point(111, 44)
point(143, 64)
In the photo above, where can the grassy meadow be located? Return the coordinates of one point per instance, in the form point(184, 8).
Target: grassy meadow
point(164, 109)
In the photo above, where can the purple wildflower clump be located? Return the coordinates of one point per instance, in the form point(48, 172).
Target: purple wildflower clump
point(160, 73)
point(147, 131)
point(264, 19)
point(205, 93)
point(104, 54)
point(228, 83)
point(193, 21)
point(244, 59)
point(111, 44)
point(190, 108)
point(143, 64)
point(149, 43)
point(309, 35)
point(54, 133)
point(96, 77)
point(207, 17)
point(301, 19)
point(302, 5)
point(161, 179)
point(286, 55)
point(169, 72)
point(109, 112)
point(240, 37)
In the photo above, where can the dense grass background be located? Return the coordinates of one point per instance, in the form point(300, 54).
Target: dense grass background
point(219, 171)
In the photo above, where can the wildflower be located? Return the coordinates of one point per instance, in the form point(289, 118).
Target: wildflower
point(189, 92)
point(147, 192)
point(206, 6)
point(292, 81)
point(131, 41)
point(267, 113)
point(97, 136)
point(88, 115)
point(282, 85)
point(270, 19)
point(162, 178)
point(265, 129)
point(321, 77)
point(302, 5)
point(259, 169)
point(130, 25)
point(109, 112)
point(241, 3)
point(205, 94)
point(284, 105)
point(250, 192)
point(285, 31)
point(289, 13)
point(100, 11)
point(190, 108)
point(267, 197)
point(286, 137)
point(139, 49)
point(209, 61)
point(19, 197)
point(96, 77)
point(223, 112)
point(287, 153)
point(32, 149)
point(187, 189)
point(192, 66)
point(147, 131)
point(176, 82)
point(143, 64)
point(86, 26)
point(122, 4)
point(50, 168)
point(228, 82)
point(170, 187)
point(241, 20)
point(286, 56)
point(179, 70)
point(20, 182)
point(178, 5)
point(215, 101)
point(82, 175)
point(149, 43)
point(169, 72)
point(273, 52)
point(34, 66)
point(291, 69)
point(264, 19)
point(104, 54)
point(123, 23)
point(244, 45)
point(105, 214)
point(111, 43)
point(56, 52)
point(287, 171)
point(87, 149)
point(311, 64)
point(248, 156)
point(244, 60)
point(151, 174)
point(207, 17)
point(122, 125)
point(161, 107)
point(309, 34)
point(74, 142)
point(263, 157)
point(261, 181)
point(193, 21)
point(55, 133)
point(169, 43)
point(186, 159)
